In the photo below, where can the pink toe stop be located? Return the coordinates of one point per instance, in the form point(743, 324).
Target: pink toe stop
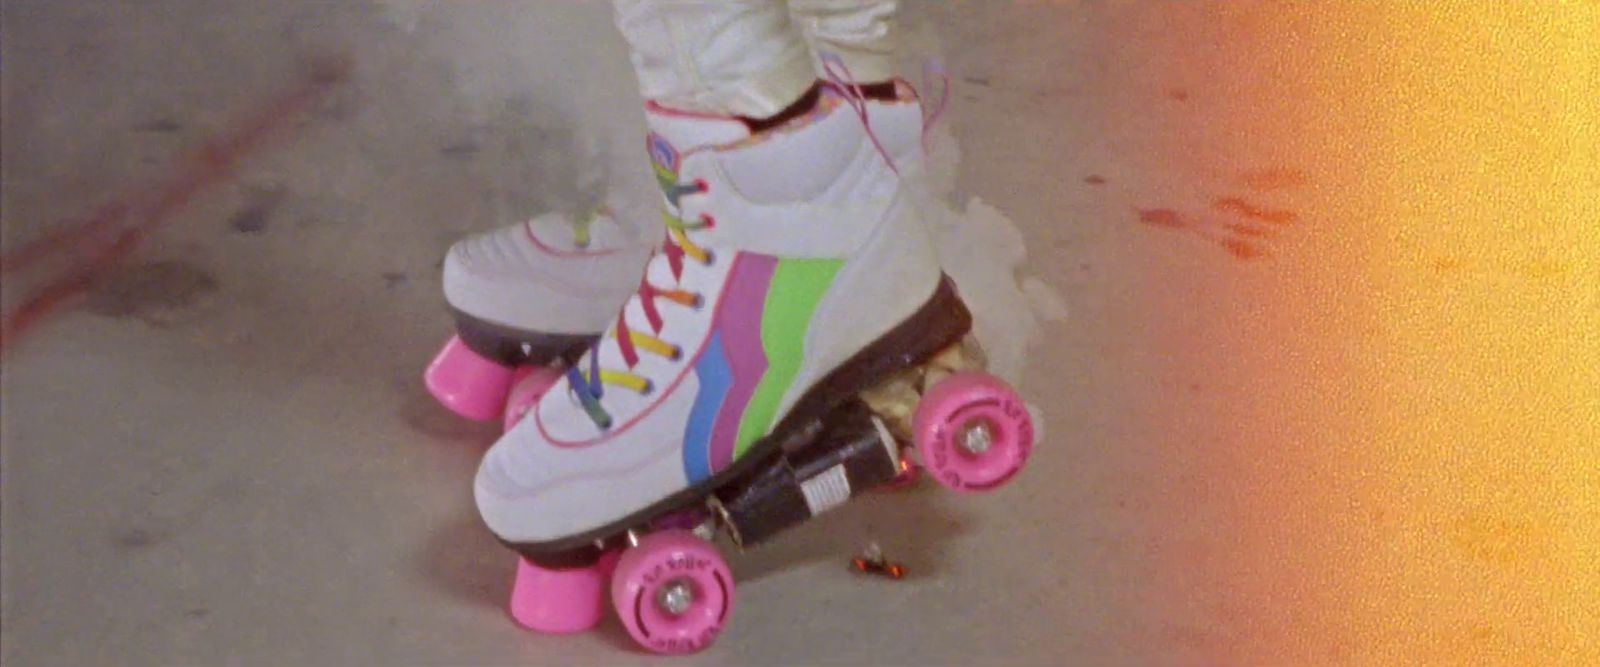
point(467, 383)
point(558, 601)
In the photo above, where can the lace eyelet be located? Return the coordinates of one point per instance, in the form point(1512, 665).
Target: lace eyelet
point(701, 185)
point(711, 257)
point(699, 301)
point(649, 388)
point(708, 221)
point(677, 353)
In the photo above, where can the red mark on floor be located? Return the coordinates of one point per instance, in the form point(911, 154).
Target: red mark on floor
point(117, 228)
point(1241, 248)
point(1246, 230)
point(64, 236)
point(1273, 178)
point(1095, 179)
point(1240, 240)
point(1241, 207)
point(1161, 217)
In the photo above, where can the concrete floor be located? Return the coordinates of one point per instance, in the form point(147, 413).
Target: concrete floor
point(225, 455)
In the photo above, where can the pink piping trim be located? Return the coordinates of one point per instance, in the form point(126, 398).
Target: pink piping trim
point(655, 107)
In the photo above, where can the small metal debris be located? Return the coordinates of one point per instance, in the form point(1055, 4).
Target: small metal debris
point(872, 561)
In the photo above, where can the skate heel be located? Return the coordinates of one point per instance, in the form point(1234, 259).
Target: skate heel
point(467, 383)
point(560, 602)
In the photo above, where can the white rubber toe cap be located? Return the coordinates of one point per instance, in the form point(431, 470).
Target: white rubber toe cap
point(532, 277)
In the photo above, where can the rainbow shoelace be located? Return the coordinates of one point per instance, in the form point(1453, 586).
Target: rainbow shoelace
point(588, 384)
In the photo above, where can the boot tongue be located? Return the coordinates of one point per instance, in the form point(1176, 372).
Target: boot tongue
point(675, 133)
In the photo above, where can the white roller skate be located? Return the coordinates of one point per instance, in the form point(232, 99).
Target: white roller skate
point(530, 297)
point(796, 278)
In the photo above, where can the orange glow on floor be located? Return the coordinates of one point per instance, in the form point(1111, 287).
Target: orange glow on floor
point(1420, 474)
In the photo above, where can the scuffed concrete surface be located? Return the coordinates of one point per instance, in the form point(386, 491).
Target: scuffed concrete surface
point(228, 457)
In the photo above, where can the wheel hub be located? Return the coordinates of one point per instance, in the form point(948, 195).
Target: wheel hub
point(676, 597)
point(978, 438)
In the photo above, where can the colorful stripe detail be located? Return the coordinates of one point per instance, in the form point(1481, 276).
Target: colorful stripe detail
point(798, 286)
point(715, 378)
point(748, 295)
point(734, 362)
point(756, 348)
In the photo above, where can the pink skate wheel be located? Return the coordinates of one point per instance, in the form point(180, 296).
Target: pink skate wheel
point(973, 432)
point(528, 385)
point(559, 602)
point(673, 592)
point(466, 383)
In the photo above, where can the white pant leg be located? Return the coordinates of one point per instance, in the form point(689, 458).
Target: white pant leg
point(741, 57)
point(860, 32)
